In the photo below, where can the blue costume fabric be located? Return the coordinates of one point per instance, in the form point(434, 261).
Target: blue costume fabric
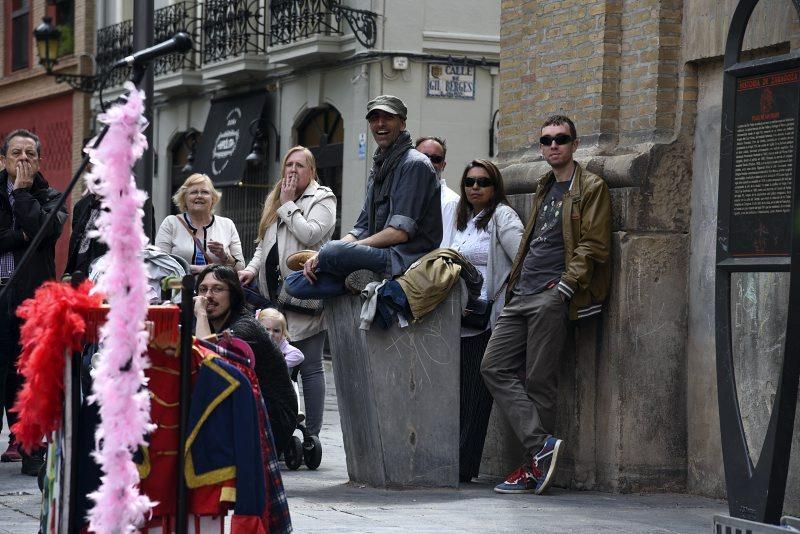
point(223, 442)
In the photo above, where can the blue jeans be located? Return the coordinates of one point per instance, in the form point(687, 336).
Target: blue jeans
point(337, 259)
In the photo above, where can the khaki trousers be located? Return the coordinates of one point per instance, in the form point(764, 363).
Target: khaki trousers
point(529, 336)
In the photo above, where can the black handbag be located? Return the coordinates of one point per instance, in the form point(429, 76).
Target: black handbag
point(478, 313)
point(284, 300)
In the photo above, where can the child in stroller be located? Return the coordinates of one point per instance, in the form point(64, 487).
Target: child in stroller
point(310, 448)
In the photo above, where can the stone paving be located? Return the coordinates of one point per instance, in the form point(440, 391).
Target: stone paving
point(324, 501)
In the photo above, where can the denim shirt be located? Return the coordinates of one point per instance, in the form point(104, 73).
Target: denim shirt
point(413, 205)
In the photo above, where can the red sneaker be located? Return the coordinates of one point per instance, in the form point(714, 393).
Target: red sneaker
point(12, 453)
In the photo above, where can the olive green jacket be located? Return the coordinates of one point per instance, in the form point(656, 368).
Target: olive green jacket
point(586, 225)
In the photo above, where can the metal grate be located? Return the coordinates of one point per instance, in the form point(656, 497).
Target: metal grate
point(232, 28)
point(294, 20)
point(114, 43)
point(167, 22)
point(243, 203)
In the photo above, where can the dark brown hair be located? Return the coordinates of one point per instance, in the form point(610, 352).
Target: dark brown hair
point(561, 120)
point(464, 209)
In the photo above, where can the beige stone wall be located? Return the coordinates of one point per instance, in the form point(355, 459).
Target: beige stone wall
point(640, 79)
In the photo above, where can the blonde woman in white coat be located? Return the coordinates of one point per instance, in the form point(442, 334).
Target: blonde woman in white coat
point(487, 233)
point(298, 214)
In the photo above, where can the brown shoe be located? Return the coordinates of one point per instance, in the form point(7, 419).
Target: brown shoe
point(296, 261)
point(358, 280)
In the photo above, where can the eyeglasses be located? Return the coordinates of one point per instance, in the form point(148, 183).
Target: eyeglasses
point(434, 158)
point(214, 290)
point(483, 181)
point(560, 139)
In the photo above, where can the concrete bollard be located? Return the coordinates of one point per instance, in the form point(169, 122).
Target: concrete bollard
point(398, 395)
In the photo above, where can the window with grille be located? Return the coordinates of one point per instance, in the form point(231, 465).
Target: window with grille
point(20, 34)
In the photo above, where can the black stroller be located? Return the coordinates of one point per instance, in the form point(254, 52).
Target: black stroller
point(309, 449)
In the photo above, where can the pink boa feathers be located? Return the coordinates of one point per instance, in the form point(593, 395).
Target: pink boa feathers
point(119, 380)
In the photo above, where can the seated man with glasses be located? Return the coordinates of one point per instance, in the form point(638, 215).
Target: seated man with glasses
point(400, 220)
point(561, 272)
point(436, 150)
point(220, 305)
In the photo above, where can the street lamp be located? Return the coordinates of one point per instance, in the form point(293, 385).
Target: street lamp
point(48, 38)
point(258, 130)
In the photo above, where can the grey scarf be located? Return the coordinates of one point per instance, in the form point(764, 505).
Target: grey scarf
point(381, 173)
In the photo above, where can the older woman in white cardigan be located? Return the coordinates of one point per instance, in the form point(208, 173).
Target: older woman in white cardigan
point(487, 233)
point(196, 234)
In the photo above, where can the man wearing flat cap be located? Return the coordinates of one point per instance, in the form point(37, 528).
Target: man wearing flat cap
point(401, 219)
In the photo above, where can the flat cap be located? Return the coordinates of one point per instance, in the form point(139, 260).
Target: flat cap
point(388, 103)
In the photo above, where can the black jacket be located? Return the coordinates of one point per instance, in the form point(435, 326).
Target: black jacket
point(81, 213)
point(31, 207)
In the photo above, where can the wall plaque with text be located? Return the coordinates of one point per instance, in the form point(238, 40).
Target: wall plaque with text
point(765, 154)
point(758, 195)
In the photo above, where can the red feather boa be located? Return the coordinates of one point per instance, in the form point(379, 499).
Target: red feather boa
point(54, 321)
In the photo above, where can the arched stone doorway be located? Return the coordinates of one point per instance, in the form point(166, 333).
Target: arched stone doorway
point(322, 131)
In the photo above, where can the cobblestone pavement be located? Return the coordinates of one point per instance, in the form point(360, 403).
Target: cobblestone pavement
point(324, 501)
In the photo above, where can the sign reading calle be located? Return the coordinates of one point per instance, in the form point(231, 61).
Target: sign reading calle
point(451, 81)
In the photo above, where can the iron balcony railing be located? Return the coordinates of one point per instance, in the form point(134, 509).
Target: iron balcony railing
point(232, 28)
point(294, 20)
point(168, 21)
point(113, 44)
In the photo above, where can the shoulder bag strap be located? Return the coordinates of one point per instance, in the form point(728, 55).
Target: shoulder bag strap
point(197, 242)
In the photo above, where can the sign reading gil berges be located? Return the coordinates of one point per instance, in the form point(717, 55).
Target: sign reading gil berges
point(451, 81)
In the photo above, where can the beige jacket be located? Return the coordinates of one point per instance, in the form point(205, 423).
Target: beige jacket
point(307, 223)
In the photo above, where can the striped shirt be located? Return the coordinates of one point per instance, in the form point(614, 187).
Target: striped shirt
point(7, 258)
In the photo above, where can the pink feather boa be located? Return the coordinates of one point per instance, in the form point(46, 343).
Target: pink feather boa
point(119, 382)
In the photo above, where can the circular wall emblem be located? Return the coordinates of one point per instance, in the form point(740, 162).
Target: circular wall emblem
point(225, 144)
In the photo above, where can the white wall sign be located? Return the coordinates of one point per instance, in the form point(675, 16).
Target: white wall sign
point(451, 81)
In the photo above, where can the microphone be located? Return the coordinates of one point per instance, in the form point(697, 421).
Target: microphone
point(180, 43)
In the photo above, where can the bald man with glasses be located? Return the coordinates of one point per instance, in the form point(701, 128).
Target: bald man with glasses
point(436, 150)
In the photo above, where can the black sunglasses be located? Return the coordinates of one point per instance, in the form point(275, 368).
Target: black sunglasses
point(435, 159)
point(482, 181)
point(560, 139)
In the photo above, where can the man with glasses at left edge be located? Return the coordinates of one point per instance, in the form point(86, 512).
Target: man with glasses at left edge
point(25, 201)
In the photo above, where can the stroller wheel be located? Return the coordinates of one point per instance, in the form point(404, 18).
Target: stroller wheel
point(293, 455)
point(312, 452)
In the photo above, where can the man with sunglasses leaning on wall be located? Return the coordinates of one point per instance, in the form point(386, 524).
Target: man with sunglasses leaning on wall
point(561, 272)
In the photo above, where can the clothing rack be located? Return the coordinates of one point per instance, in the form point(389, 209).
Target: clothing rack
point(73, 400)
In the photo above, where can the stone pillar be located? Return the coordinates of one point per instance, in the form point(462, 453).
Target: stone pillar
point(398, 395)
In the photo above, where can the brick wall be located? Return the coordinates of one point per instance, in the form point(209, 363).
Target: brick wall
point(612, 65)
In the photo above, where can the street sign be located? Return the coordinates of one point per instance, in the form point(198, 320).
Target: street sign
point(758, 197)
point(451, 81)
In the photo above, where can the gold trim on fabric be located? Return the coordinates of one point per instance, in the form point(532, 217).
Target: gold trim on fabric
point(165, 370)
point(193, 480)
point(227, 494)
point(162, 402)
point(144, 467)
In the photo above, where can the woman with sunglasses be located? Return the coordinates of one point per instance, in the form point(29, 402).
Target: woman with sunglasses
point(487, 233)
